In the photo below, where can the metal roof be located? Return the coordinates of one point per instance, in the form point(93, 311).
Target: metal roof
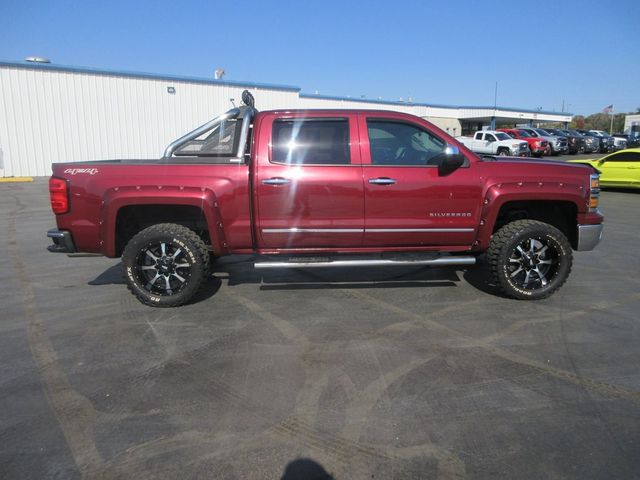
point(151, 76)
point(233, 83)
point(434, 105)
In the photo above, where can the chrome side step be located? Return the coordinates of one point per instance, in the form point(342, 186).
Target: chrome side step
point(375, 262)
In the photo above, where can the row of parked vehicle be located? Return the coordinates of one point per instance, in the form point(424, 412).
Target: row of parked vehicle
point(526, 141)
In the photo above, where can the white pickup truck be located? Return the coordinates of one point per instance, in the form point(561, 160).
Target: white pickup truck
point(490, 142)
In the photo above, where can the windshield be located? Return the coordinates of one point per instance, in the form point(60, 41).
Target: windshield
point(523, 134)
point(541, 132)
point(502, 136)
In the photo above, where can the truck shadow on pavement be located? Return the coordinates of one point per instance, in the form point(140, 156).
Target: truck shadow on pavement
point(239, 270)
point(479, 277)
point(113, 276)
point(305, 469)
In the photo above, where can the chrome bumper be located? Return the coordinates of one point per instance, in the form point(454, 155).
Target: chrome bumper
point(589, 236)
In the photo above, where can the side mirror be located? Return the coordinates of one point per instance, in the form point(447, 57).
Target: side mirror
point(601, 161)
point(451, 160)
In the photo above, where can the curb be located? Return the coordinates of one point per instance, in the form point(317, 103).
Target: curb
point(15, 179)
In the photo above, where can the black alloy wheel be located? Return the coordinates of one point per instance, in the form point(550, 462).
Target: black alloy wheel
point(165, 265)
point(529, 259)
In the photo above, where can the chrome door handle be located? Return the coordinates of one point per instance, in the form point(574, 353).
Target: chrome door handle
point(382, 181)
point(276, 181)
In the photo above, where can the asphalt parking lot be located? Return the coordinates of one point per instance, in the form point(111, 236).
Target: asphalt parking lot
point(411, 373)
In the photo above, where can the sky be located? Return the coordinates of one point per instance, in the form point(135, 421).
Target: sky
point(542, 53)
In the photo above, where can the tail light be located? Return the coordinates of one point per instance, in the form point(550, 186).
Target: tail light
point(59, 194)
point(594, 194)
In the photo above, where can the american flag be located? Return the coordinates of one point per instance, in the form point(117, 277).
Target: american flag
point(608, 109)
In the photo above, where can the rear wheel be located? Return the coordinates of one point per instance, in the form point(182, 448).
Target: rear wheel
point(165, 265)
point(529, 260)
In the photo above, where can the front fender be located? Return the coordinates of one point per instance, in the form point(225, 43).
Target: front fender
point(497, 195)
point(117, 197)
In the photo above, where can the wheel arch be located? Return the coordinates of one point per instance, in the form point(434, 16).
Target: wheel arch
point(126, 211)
point(549, 205)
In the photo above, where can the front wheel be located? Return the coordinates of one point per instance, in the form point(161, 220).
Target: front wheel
point(165, 265)
point(529, 260)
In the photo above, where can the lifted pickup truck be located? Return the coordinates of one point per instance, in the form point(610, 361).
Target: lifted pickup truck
point(490, 142)
point(316, 188)
point(537, 146)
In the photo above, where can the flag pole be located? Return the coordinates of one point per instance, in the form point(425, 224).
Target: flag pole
point(611, 125)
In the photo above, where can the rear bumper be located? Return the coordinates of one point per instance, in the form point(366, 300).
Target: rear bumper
point(62, 241)
point(589, 236)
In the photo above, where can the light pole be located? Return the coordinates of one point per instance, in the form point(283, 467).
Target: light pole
point(495, 107)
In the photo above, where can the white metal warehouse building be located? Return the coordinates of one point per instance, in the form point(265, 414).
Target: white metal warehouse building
point(52, 113)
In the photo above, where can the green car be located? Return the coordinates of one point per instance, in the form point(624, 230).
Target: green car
point(619, 169)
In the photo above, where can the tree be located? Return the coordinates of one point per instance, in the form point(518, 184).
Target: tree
point(599, 121)
point(577, 122)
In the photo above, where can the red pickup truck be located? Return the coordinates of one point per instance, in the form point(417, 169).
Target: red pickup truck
point(537, 145)
point(318, 188)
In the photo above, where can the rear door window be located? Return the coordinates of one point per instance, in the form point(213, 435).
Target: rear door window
point(308, 141)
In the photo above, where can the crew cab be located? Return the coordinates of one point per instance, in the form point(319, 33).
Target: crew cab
point(537, 146)
point(592, 142)
point(493, 142)
point(557, 145)
point(575, 142)
point(607, 142)
point(324, 188)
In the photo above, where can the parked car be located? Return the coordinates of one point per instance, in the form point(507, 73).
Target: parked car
point(620, 143)
point(557, 145)
point(576, 142)
point(287, 187)
point(591, 143)
point(493, 142)
point(581, 139)
point(618, 169)
point(632, 141)
point(602, 143)
point(608, 145)
point(537, 146)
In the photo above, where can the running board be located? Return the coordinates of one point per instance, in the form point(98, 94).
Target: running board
point(316, 262)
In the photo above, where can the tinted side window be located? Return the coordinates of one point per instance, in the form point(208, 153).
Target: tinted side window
point(311, 142)
point(490, 137)
point(395, 143)
point(625, 157)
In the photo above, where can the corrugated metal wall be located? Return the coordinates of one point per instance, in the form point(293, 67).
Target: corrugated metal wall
point(55, 116)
